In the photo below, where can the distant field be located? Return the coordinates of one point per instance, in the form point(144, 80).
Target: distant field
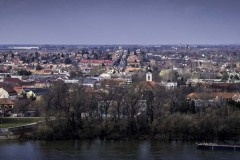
point(17, 121)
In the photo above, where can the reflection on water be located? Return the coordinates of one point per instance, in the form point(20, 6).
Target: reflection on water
point(107, 150)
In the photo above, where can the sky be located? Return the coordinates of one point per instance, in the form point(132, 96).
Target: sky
point(120, 22)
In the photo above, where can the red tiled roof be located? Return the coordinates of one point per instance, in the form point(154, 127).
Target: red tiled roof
point(94, 61)
point(228, 86)
point(226, 95)
point(18, 89)
point(147, 85)
point(47, 71)
point(6, 101)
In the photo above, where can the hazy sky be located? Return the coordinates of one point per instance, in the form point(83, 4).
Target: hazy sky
point(119, 21)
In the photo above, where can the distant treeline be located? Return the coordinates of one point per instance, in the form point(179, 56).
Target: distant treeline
point(134, 112)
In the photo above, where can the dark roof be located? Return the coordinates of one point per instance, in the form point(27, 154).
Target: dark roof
point(224, 86)
point(37, 91)
point(12, 84)
point(10, 90)
point(4, 84)
point(89, 81)
point(39, 76)
point(12, 80)
point(28, 83)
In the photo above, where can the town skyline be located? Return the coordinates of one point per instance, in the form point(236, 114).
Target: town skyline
point(119, 79)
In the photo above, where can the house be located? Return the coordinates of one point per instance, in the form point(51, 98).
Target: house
point(12, 80)
point(134, 60)
point(28, 83)
point(94, 62)
point(212, 98)
point(169, 85)
point(105, 76)
point(89, 82)
point(236, 97)
point(132, 69)
point(8, 92)
point(47, 71)
point(230, 87)
point(6, 102)
point(210, 95)
point(35, 92)
point(108, 83)
point(18, 89)
point(17, 76)
point(148, 84)
point(6, 106)
point(71, 81)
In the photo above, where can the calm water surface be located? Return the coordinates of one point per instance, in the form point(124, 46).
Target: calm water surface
point(94, 150)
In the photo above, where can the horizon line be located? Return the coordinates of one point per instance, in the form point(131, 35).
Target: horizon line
point(118, 44)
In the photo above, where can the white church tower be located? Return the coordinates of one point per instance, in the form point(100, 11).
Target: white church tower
point(149, 74)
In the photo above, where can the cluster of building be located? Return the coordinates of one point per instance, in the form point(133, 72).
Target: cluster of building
point(27, 73)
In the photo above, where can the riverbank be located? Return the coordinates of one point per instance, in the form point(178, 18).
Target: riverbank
point(168, 128)
point(18, 127)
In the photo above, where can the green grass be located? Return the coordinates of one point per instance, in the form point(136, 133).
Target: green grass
point(9, 125)
point(17, 121)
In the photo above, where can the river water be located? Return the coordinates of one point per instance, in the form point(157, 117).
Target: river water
point(94, 150)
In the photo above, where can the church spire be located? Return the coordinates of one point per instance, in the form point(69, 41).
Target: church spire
point(149, 68)
point(149, 73)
